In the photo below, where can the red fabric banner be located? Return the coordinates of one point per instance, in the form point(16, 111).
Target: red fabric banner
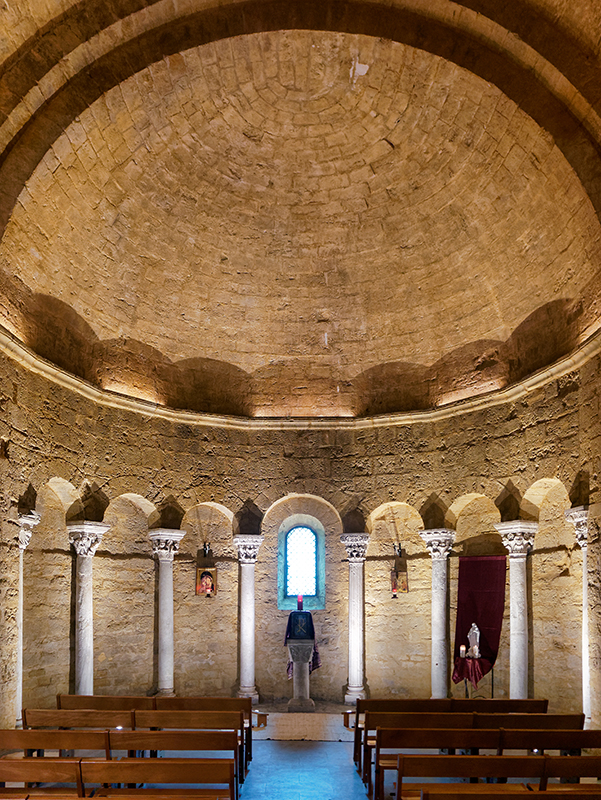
point(480, 599)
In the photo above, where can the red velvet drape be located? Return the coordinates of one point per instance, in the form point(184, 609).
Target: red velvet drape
point(480, 599)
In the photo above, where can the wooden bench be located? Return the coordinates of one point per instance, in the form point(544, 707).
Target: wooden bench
point(160, 771)
point(243, 704)
point(195, 720)
point(461, 767)
point(40, 741)
point(101, 702)
point(476, 720)
point(500, 740)
point(174, 740)
point(388, 739)
point(77, 718)
point(436, 705)
point(380, 719)
point(41, 770)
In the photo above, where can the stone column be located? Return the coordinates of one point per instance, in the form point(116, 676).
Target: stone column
point(27, 523)
point(301, 652)
point(439, 542)
point(85, 538)
point(248, 549)
point(579, 519)
point(165, 543)
point(518, 539)
point(356, 547)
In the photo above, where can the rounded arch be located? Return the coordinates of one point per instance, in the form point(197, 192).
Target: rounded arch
point(394, 523)
point(54, 500)
point(546, 502)
point(130, 516)
point(306, 505)
point(209, 523)
point(473, 516)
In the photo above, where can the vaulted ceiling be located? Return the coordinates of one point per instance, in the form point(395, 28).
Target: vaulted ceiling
point(297, 209)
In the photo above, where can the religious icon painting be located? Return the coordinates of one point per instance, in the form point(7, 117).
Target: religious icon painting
point(206, 581)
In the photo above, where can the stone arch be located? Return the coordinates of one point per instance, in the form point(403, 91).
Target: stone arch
point(54, 500)
point(209, 523)
point(130, 516)
point(394, 523)
point(473, 517)
point(309, 505)
point(546, 502)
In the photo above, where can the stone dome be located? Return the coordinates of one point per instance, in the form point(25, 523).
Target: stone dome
point(298, 222)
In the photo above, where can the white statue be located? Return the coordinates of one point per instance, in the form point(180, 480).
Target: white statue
point(473, 638)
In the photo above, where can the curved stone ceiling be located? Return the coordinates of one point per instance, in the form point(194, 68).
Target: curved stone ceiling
point(303, 223)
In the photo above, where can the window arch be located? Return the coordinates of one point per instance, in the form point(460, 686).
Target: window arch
point(301, 562)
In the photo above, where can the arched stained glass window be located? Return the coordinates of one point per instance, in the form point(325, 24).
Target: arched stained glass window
point(301, 562)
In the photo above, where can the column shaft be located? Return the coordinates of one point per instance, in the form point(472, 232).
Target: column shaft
point(247, 630)
point(518, 627)
point(19, 665)
point(166, 632)
point(356, 633)
point(84, 627)
point(586, 664)
point(440, 665)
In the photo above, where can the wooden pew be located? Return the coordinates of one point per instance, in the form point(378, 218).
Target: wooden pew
point(243, 704)
point(531, 721)
point(576, 767)
point(175, 740)
point(500, 740)
point(102, 702)
point(195, 720)
point(436, 705)
point(193, 771)
point(40, 740)
point(437, 766)
point(489, 792)
point(380, 719)
point(77, 718)
point(41, 770)
point(425, 738)
point(476, 720)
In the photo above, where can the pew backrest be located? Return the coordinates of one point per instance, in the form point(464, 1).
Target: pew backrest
point(161, 771)
point(436, 738)
point(104, 702)
point(531, 721)
point(443, 766)
point(190, 720)
point(41, 770)
point(540, 739)
point(76, 718)
point(43, 740)
point(499, 705)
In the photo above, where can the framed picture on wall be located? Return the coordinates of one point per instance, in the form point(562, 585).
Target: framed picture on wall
point(206, 581)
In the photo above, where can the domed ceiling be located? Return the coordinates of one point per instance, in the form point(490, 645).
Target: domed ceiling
point(298, 223)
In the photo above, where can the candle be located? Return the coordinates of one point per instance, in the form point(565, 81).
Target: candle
point(462, 651)
point(299, 602)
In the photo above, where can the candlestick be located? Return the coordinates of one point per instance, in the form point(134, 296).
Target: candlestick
point(462, 651)
point(299, 602)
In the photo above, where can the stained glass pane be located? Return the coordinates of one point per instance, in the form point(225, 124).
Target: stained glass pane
point(300, 562)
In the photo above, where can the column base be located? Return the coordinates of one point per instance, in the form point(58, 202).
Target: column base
point(249, 691)
point(354, 693)
point(165, 693)
point(302, 704)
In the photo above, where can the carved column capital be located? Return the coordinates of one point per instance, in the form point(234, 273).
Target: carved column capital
point(27, 523)
point(165, 542)
point(86, 536)
point(517, 536)
point(439, 541)
point(248, 547)
point(579, 519)
point(355, 545)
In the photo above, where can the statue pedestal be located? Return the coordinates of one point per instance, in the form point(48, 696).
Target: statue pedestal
point(301, 651)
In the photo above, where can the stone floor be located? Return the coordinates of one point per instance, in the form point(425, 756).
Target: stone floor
point(297, 770)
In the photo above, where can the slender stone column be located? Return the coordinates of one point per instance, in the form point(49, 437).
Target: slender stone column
point(579, 519)
point(518, 539)
point(356, 547)
point(85, 538)
point(27, 523)
point(165, 543)
point(248, 550)
point(439, 542)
